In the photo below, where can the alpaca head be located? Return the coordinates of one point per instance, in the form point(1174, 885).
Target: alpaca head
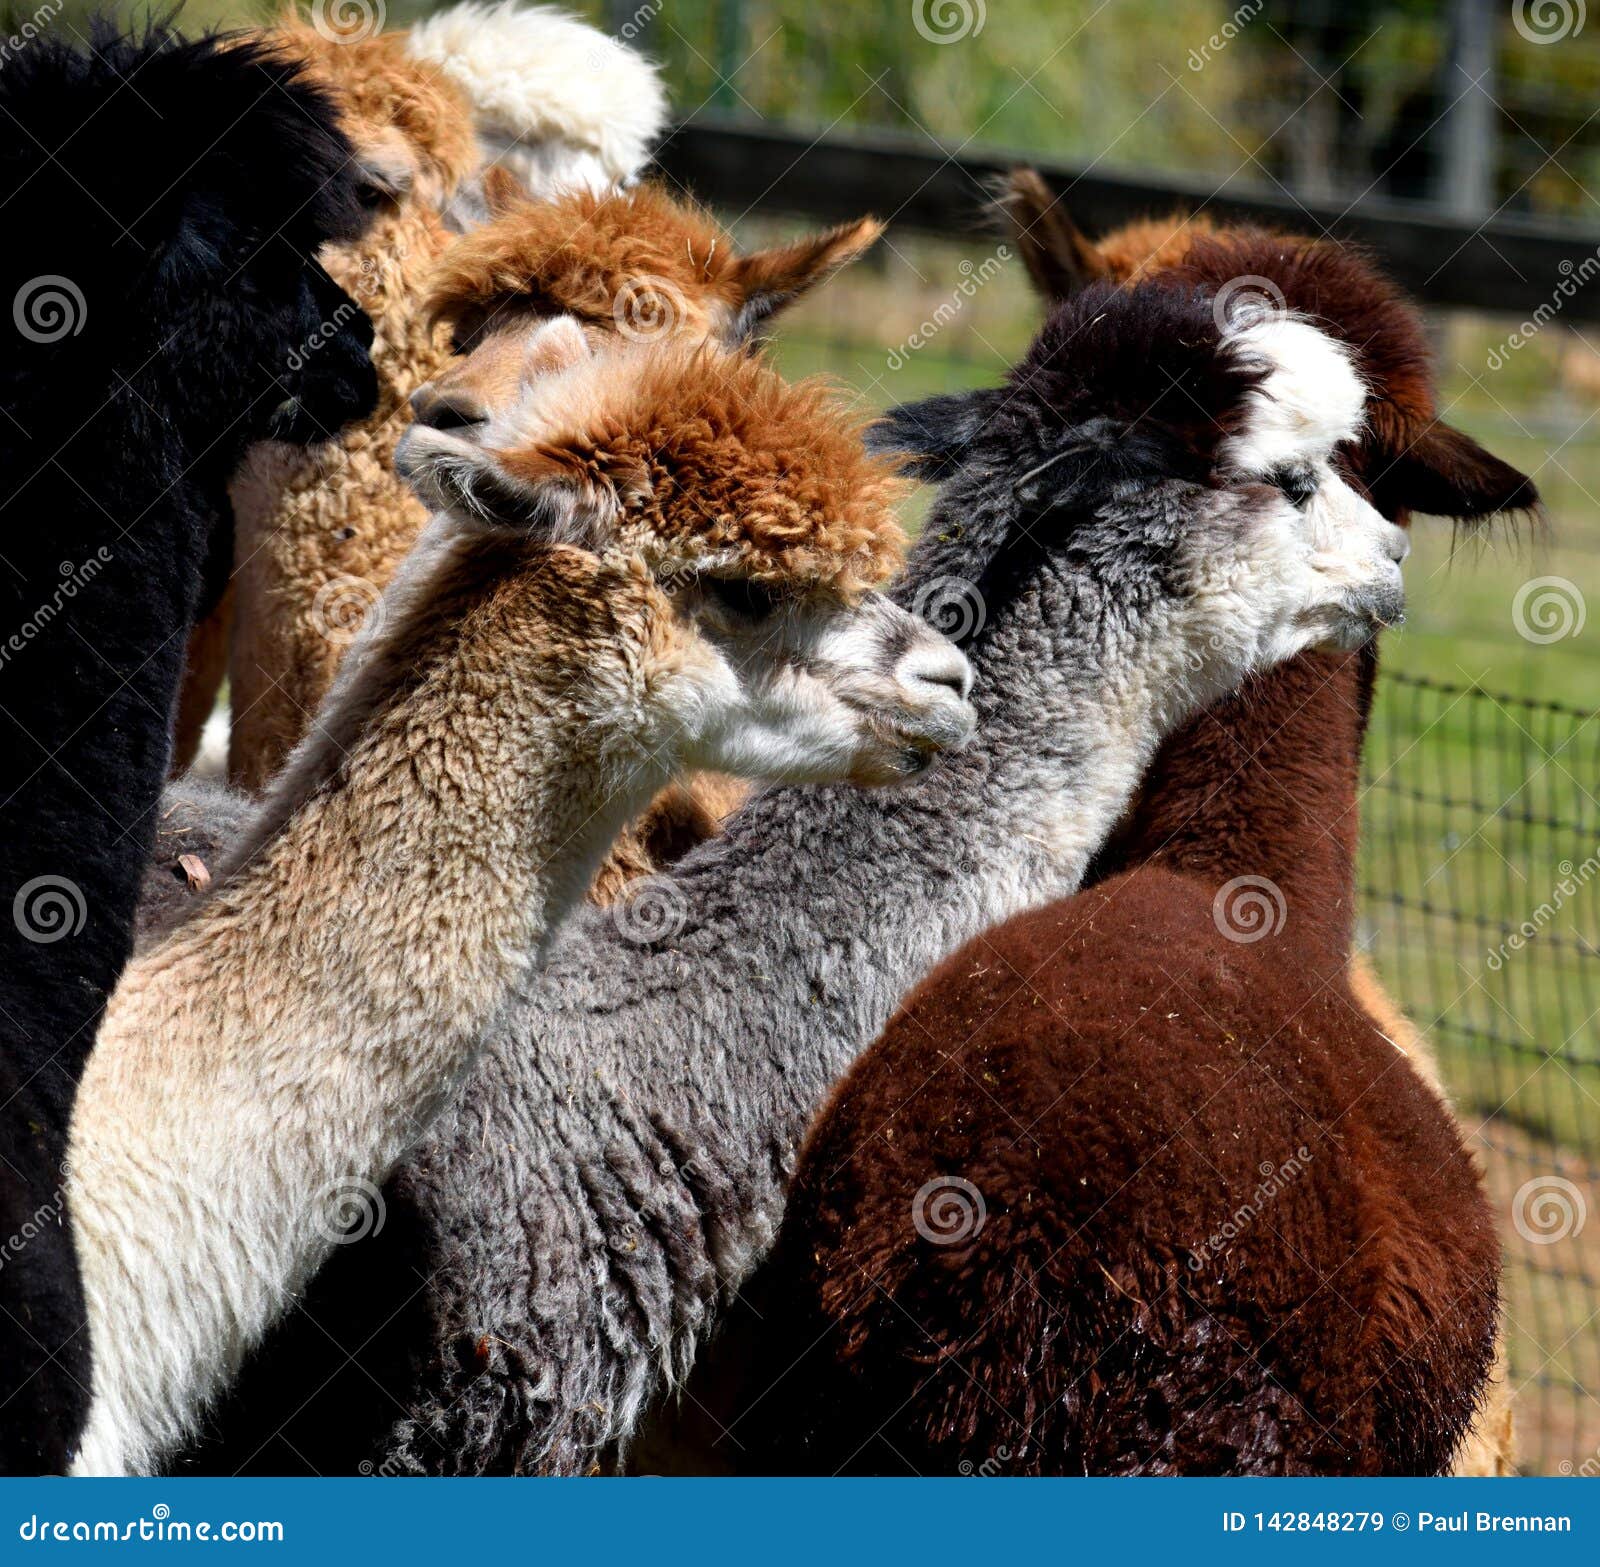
point(761, 525)
point(415, 152)
point(638, 264)
point(1178, 470)
point(1405, 458)
point(169, 231)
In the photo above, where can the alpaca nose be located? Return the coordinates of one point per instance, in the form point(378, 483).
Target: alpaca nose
point(447, 408)
point(1396, 544)
point(936, 671)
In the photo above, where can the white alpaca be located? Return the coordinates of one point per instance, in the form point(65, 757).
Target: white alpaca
point(531, 685)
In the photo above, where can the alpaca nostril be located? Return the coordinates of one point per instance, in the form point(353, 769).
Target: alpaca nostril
point(446, 410)
point(943, 666)
point(1398, 545)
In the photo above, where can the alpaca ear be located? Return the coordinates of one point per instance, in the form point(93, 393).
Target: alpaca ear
point(768, 280)
point(555, 345)
point(539, 493)
point(503, 192)
point(1061, 260)
point(1446, 473)
point(932, 437)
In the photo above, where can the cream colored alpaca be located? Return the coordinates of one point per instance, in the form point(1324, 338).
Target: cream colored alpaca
point(663, 562)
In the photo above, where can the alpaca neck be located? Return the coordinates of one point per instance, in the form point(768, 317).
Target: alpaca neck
point(295, 1035)
point(1265, 785)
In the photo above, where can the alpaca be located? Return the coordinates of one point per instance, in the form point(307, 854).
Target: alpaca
point(661, 559)
point(158, 262)
point(634, 264)
point(617, 1165)
point(1413, 461)
point(320, 535)
point(1256, 800)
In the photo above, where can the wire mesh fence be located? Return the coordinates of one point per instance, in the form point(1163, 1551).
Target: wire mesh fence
point(1479, 875)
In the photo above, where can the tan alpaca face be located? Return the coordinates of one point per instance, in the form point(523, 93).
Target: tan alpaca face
point(777, 671)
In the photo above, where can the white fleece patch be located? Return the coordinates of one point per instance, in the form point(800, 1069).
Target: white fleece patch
point(546, 83)
point(1311, 401)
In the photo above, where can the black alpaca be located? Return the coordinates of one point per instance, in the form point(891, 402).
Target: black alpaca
point(163, 199)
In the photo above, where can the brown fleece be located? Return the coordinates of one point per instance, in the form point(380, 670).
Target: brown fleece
point(714, 455)
point(1145, 1048)
point(640, 260)
point(1186, 1245)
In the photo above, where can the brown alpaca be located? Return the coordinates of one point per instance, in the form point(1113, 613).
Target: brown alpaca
point(632, 265)
point(663, 559)
point(1111, 1023)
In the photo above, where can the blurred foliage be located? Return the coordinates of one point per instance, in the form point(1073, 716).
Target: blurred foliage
point(1331, 98)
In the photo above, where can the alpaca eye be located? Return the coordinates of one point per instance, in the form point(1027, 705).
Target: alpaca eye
point(1298, 485)
point(741, 597)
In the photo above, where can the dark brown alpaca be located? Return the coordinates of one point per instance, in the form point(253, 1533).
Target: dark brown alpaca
point(1117, 1081)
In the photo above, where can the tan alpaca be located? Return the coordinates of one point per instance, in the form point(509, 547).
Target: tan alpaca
point(663, 560)
point(320, 534)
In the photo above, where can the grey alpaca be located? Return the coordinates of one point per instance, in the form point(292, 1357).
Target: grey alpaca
point(1109, 529)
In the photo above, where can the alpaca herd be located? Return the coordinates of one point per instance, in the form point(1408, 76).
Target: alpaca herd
point(416, 412)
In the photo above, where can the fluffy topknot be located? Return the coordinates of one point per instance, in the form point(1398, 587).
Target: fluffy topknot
point(716, 460)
